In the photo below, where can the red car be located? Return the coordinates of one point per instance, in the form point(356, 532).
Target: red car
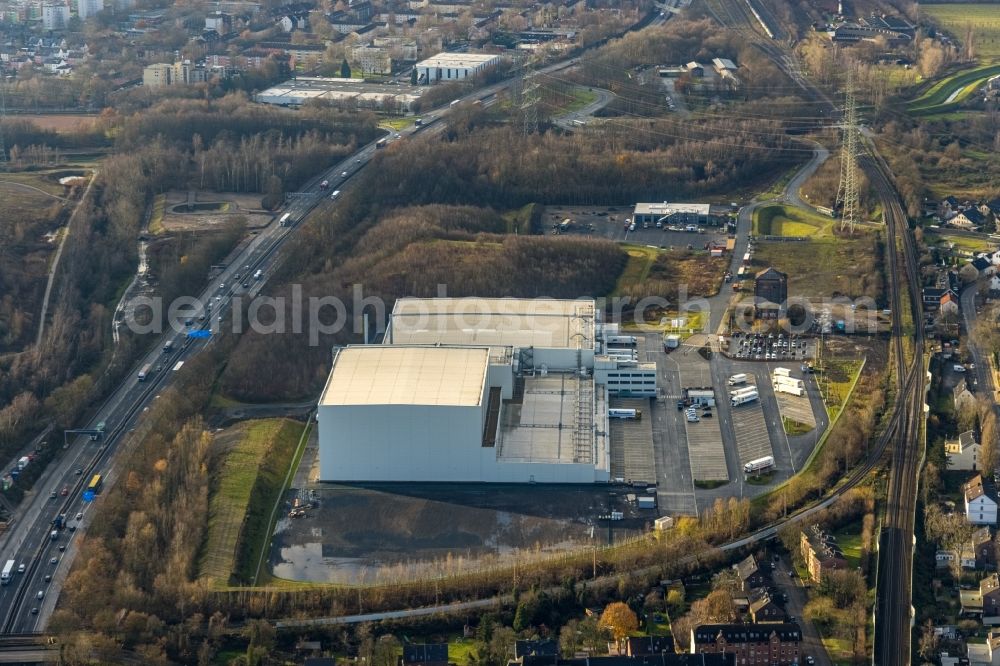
point(64, 491)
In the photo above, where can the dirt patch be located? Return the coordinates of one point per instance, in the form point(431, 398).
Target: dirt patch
point(200, 211)
point(404, 532)
point(62, 123)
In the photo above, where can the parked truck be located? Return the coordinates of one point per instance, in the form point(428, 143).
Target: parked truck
point(782, 372)
point(738, 398)
point(625, 413)
point(790, 381)
point(736, 380)
point(759, 464)
point(789, 389)
point(621, 340)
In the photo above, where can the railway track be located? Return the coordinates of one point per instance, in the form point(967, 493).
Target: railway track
point(902, 436)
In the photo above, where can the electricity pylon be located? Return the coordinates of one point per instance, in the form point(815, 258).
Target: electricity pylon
point(847, 193)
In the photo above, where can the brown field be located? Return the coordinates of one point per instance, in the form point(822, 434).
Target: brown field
point(61, 122)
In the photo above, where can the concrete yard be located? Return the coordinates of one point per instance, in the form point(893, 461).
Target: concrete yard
point(395, 532)
point(632, 443)
point(796, 408)
point(750, 428)
point(708, 457)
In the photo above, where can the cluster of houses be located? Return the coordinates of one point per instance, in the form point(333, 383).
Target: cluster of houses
point(46, 54)
point(895, 30)
point(964, 214)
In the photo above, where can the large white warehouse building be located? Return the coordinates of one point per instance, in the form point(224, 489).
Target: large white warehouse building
point(476, 390)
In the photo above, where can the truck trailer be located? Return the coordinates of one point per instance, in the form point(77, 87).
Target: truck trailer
point(782, 372)
point(789, 389)
point(738, 398)
point(8, 572)
point(736, 380)
point(620, 340)
point(625, 413)
point(759, 464)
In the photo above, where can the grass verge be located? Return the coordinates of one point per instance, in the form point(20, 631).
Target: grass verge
point(156, 217)
point(794, 427)
point(247, 483)
point(782, 220)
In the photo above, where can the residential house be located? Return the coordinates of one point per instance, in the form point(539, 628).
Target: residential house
point(641, 646)
point(949, 303)
point(970, 218)
point(372, 60)
point(695, 69)
point(753, 644)
point(944, 558)
point(749, 573)
point(963, 453)
point(984, 602)
point(820, 552)
point(425, 654)
point(662, 659)
point(763, 608)
point(986, 653)
point(983, 265)
point(962, 396)
point(984, 551)
point(980, 508)
point(995, 283)
point(538, 648)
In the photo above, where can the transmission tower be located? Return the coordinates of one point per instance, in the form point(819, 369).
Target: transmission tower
point(847, 193)
point(530, 99)
point(3, 119)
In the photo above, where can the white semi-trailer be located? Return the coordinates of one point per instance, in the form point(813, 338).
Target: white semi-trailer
point(625, 413)
point(759, 464)
point(789, 389)
point(738, 398)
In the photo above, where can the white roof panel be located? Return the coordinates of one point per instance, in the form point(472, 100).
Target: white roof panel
point(401, 375)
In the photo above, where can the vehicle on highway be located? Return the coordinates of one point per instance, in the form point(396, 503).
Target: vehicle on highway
point(334, 194)
point(21, 567)
point(381, 143)
point(52, 495)
point(167, 346)
point(34, 611)
point(54, 560)
point(343, 174)
point(79, 471)
point(325, 184)
point(79, 516)
point(222, 286)
point(146, 371)
point(41, 593)
point(7, 573)
point(48, 578)
point(64, 491)
point(54, 534)
point(418, 122)
point(95, 484)
point(62, 548)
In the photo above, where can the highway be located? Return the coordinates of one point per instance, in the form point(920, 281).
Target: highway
point(28, 600)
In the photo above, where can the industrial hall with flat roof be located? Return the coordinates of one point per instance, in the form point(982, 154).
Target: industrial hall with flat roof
point(478, 390)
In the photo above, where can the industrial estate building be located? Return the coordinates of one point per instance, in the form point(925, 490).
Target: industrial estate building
point(672, 213)
point(478, 390)
point(454, 66)
point(296, 92)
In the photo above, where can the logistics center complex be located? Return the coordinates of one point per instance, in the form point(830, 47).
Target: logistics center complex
point(479, 390)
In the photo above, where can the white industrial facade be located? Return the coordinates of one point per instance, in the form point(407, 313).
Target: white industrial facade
point(454, 66)
point(476, 390)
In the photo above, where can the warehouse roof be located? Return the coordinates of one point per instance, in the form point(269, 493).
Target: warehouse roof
point(401, 375)
point(459, 60)
point(668, 208)
point(516, 322)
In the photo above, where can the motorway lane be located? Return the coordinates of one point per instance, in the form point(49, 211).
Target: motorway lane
point(28, 541)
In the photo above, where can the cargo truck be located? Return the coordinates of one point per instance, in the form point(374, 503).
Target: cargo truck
point(789, 389)
point(759, 464)
point(145, 372)
point(22, 462)
point(7, 573)
point(736, 380)
point(625, 413)
point(167, 346)
point(782, 372)
point(790, 381)
point(620, 339)
point(743, 397)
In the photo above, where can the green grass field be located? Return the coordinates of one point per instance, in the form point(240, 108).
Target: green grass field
point(956, 19)
point(822, 267)
point(156, 217)
point(849, 540)
point(782, 220)
point(247, 483)
point(794, 427)
point(960, 242)
point(949, 93)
